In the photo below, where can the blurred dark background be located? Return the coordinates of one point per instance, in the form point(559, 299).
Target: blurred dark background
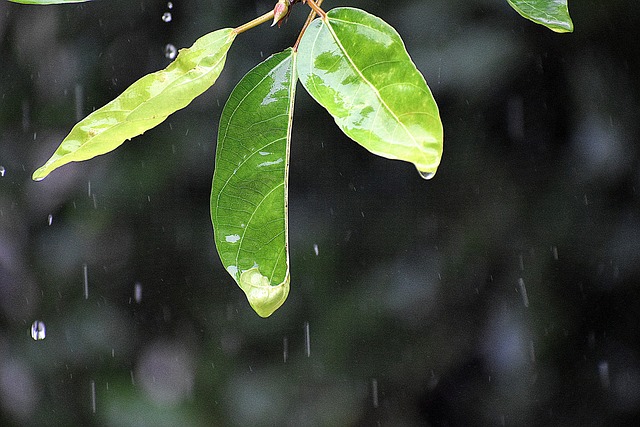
point(505, 291)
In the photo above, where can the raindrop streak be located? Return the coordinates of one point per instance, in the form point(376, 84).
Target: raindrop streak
point(426, 175)
point(307, 339)
point(170, 51)
point(2, 171)
point(316, 250)
point(523, 292)
point(79, 97)
point(85, 272)
point(166, 17)
point(137, 292)
point(50, 219)
point(603, 372)
point(532, 352)
point(554, 250)
point(26, 115)
point(38, 330)
point(374, 392)
point(285, 349)
point(93, 396)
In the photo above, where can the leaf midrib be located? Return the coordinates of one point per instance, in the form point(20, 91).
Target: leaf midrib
point(357, 71)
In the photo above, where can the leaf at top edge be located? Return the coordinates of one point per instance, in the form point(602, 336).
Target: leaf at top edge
point(146, 103)
point(48, 1)
point(249, 191)
point(553, 14)
point(356, 66)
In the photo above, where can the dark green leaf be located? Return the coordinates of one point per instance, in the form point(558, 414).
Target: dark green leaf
point(249, 193)
point(553, 14)
point(146, 103)
point(356, 66)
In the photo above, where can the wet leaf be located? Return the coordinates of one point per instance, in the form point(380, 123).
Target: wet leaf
point(146, 103)
point(249, 193)
point(48, 1)
point(356, 66)
point(553, 14)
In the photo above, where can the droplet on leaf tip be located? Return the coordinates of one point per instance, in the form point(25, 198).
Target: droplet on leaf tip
point(426, 175)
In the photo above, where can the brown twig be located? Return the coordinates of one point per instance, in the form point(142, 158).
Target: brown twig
point(310, 18)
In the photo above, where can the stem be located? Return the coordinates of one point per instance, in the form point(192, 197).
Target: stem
point(310, 18)
point(316, 8)
point(254, 23)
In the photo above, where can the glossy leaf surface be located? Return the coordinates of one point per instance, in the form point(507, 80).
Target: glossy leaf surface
point(356, 66)
point(249, 192)
point(146, 103)
point(553, 14)
point(48, 1)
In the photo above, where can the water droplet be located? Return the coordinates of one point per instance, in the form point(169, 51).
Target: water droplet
point(38, 330)
point(426, 175)
point(316, 250)
point(234, 238)
point(85, 272)
point(170, 51)
point(137, 292)
point(233, 270)
point(166, 17)
point(169, 5)
point(50, 219)
point(2, 171)
point(307, 339)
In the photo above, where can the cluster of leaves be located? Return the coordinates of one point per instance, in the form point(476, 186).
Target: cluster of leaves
point(352, 63)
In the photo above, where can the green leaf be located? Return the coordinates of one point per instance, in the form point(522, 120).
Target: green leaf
point(356, 66)
point(146, 103)
point(249, 192)
point(553, 14)
point(48, 1)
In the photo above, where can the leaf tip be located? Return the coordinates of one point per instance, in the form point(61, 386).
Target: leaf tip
point(39, 174)
point(565, 27)
point(263, 297)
